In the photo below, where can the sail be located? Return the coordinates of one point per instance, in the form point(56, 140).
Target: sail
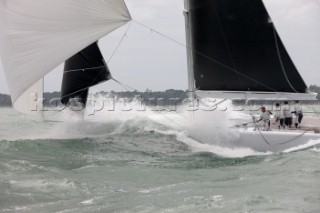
point(38, 35)
point(235, 47)
point(31, 101)
point(83, 70)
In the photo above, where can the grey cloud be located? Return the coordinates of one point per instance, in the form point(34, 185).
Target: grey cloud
point(147, 60)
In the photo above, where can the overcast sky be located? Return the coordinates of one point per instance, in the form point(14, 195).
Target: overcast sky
point(147, 60)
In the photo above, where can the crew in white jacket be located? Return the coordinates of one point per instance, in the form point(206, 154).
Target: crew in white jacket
point(265, 119)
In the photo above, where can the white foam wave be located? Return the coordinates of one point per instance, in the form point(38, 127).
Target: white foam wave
point(197, 146)
point(87, 202)
point(157, 189)
point(43, 185)
point(308, 145)
point(315, 149)
point(203, 131)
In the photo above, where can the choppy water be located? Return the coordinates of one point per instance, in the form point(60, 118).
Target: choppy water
point(131, 163)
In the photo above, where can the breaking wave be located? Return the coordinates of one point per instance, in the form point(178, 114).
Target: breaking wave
point(201, 131)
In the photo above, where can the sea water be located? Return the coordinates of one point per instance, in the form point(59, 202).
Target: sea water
point(146, 162)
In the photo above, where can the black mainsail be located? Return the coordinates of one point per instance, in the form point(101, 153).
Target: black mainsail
point(234, 46)
point(85, 69)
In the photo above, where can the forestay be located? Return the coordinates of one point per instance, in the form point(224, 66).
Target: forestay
point(38, 35)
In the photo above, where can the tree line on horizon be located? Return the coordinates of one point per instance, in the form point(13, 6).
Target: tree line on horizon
point(5, 100)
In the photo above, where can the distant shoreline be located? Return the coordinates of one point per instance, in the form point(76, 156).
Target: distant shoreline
point(5, 100)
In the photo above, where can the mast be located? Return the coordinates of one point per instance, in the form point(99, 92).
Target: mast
point(191, 83)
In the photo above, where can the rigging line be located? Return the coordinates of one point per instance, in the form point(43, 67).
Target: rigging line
point(85, 69)
point(226, 43)
point(42, 113)
point(82, 90)
point(280, 59)
point(262, 136)
point(265, 139)
point(280, 143)
point(315, 111)
point(285, 142)
point(257, 127)
point(123, 85)
point(205, 56)
point(277, 143)
point(113, 53)
point(120, 42)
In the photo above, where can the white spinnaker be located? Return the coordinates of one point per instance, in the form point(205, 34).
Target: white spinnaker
point(38, 35)
point(30, 102)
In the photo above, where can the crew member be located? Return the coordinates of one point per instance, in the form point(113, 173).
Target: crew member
point(299, 114)
point(286, 113)
point(278, 116)
point(265, 119)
